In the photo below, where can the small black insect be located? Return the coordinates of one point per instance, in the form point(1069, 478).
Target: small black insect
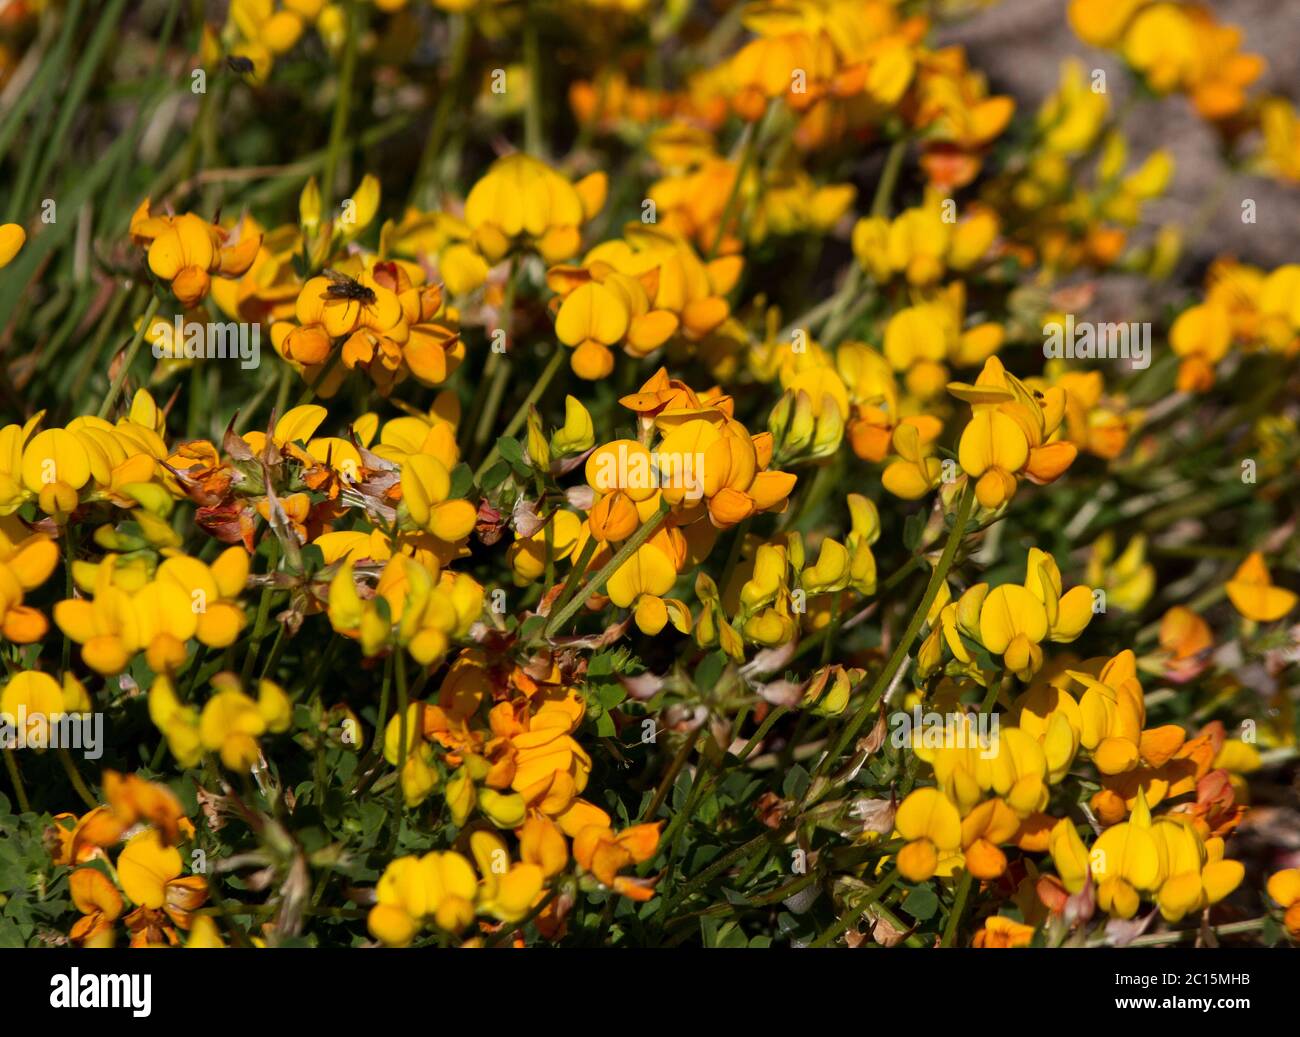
point(239, 64)
point(343, 287)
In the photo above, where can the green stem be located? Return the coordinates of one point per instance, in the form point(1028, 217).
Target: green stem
point(259, 625)
point(726, 861)
point(1178, 935)
point(115, 389)
point(20, 790)
point(840, 312)
point(496, 372)
point(958, 906)
point(576, 573)
point(756, 739)
point(70, 768)
point(679, 761)
point(370, 762)
point(403, 703)
point(308, 393)
point(747, 157)
point(463, 31)
point(940, 573)
point(342, 102)
point(854, 913)
point(597, 582)
point(884, 195)
point(521, 415)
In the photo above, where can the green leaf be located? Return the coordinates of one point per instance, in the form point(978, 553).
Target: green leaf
point(509, 448)
point(462, 478)
point(921, 903)
point(710, 669)
point(496, 475)
point(796, 782)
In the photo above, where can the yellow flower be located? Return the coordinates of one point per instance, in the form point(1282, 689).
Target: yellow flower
point(1113, 711)
point(1126, 862)
point(418, 777)
point(999, 931)
point(831, 572)
point(213, 592)
point(423, 613)
point(917, 471)
point(144, 868)
point(1280, 124)
point(1010, 434)
point(735, 480)
point(558, 538)
point(185, 599)
point(1201, 336)
point(12, 237)
point(1069, 855)
point(918, 240)
point(1068, 614)
point(261, 24)
point(1284, 888)
point(604, 853)
point(1161, 43)
point(1184, 634)
point(438, 888)
point(100, 904)
point(231, 722)
point(426, 489)
point(1012, 766)
point(1128, 580)
point(179, 723)
point(991, 823)
point(1073, 117)
point(827, 692)
point(613, 517)
point(446, 238)
point(26, 562)
point(790, 202)
point(542, 843)
point(642, 581)
point(1252, 593)
point(43, 701)
point(205, 934)
point(91, 460)
point(1012, 623)
point(187, 251)
point(521, 199)
point(1101, 22)
point(931, 825)
point(592, 317)
point(507, 889)
point(1195, 873)
point(1051, 715)
point(864, 530)
point(577, 433)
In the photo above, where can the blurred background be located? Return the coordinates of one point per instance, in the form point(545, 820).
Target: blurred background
point(1021, 43)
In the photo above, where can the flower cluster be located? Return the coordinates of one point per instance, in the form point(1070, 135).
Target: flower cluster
point(661, 513)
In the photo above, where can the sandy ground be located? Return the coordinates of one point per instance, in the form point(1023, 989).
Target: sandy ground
point(1020, 44)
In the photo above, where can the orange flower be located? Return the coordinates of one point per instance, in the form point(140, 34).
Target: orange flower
point(186, 250)
point(1003, 932)
point(100, 905)
point(602, 853)
point(1252, 592)
point(1186, 638)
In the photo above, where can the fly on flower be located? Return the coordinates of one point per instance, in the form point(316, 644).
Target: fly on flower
point(341, 286)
